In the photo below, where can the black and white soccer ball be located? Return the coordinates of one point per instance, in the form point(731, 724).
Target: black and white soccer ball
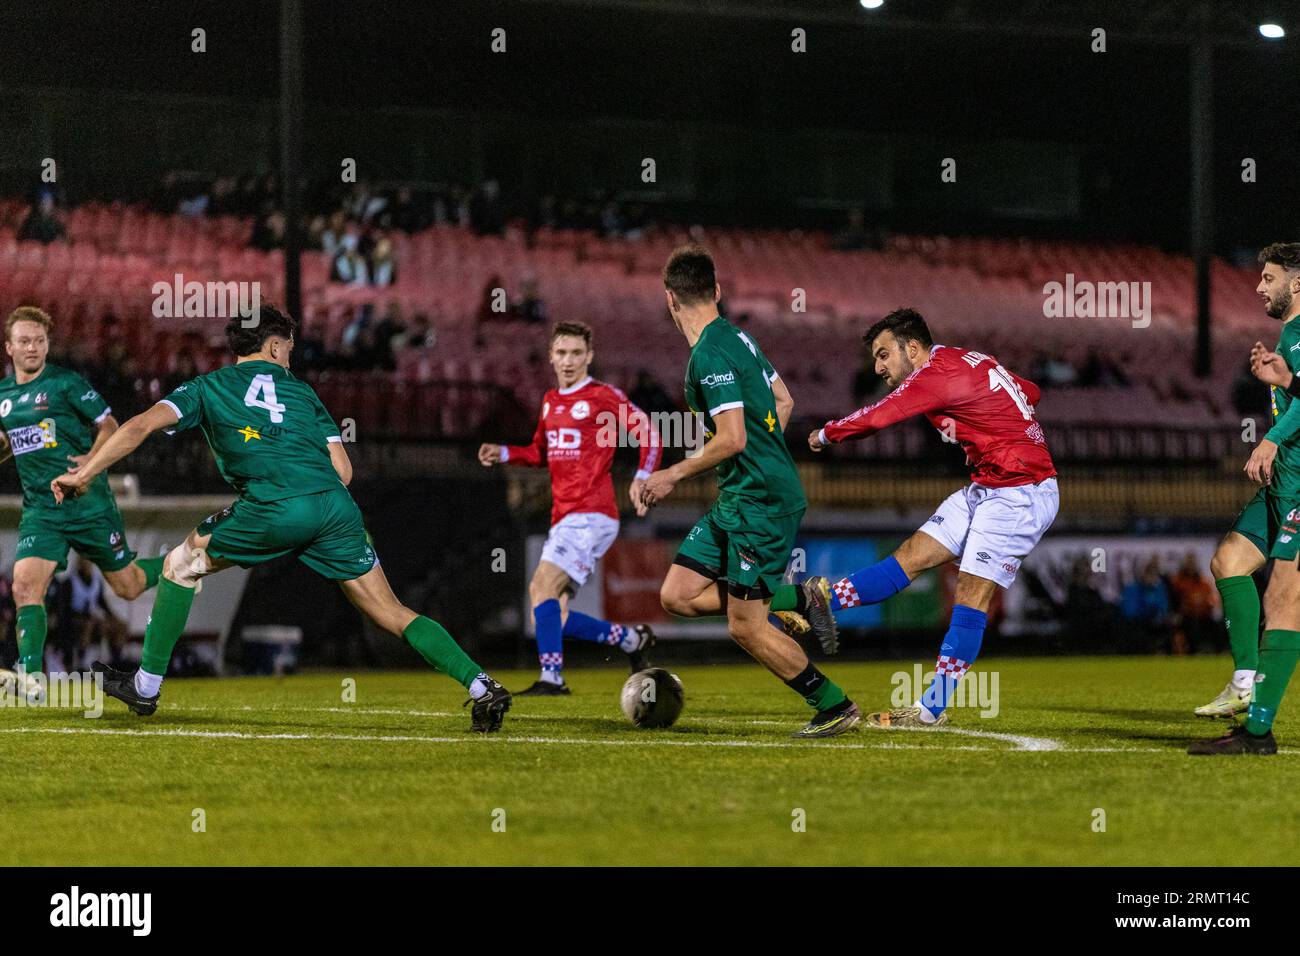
point(653, 698)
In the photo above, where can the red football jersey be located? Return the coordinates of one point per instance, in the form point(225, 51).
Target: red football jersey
point(970, 397)
point(577, 434)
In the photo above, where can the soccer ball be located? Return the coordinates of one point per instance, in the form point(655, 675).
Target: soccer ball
point(653, 698)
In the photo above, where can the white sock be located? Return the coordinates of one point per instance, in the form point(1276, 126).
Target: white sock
point(1243, 680)
point(147, 685)
point(925, 716)
point(477, 688)
point(552, 677)
point(630, 640)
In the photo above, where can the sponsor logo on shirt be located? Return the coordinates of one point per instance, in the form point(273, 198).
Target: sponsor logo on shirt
point(249, 433)
point(33, 437)
point(718, 378)
point(92, 395)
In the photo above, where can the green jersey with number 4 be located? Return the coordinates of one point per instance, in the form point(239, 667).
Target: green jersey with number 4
point(267, 430)
point(47, 420)
point(1285, 432)
point(728, 370)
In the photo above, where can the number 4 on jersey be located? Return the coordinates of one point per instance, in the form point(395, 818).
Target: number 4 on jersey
point(264, 385)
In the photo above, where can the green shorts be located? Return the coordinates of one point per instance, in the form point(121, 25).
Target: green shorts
point(749, 549)
point(1272, 524)
point(324, 531)
point(100, 537)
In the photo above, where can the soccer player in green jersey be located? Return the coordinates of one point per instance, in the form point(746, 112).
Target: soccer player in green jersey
point(53, 420)
point(1268, 528)
point(275, 443)
point(733, 561)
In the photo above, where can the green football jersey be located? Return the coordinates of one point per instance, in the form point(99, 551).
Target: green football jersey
point(1286, 419)
point(728, 370)
point(267, 430)
point(47, 420)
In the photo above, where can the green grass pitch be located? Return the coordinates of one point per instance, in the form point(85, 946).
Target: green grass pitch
point(286, 772)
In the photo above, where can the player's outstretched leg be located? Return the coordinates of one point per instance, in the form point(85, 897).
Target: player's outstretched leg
point(372, 595)
point(183, 568)
point(960, 647)
point(634, 640)
point(548, 591)
point(1235, 561)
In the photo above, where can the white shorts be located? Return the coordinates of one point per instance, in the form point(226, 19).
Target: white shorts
point(578, 541)
point(993, 529)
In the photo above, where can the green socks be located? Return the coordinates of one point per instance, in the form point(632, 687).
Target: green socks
point(1241, 615)
point(171, 608)
point(818, 691)
point(152, 568)
point(31, 637)
point(438, 648)
point(787, 597)
point(1277, 661)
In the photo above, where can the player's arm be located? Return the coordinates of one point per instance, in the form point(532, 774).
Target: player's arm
point(784, 401)
point(341, 462)
point(650, 448)
point(1272, 368)
point(924, 392)
point(103, 432)
point(728, 441)
point(117, 446)
point(6, 449)
point(531, 455)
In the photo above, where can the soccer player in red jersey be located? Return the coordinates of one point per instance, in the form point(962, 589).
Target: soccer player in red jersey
point(991, 524)
point(577, 432)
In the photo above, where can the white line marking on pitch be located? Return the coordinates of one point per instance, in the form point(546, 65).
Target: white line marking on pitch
point(1022, 742)
point(569, 741)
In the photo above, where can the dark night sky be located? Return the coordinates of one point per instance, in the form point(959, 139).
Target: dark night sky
point(1127, 107)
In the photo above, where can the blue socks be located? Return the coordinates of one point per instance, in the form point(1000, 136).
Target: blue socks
point(870, 585)
point(961, 645)
point(584, 627)
point(550, 640)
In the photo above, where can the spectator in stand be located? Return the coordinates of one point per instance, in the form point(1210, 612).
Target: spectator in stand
point(1052, 370)
point(1144, 603)
point(1088, 619)
point(487, 215)
point(1195, 600)
point(268, 231)
point(92, 631)
point(349, 263)
point(420, 334)
point(529, 306)
point(43, 224)
point(383, 267)
point(1098, 371)
point(331, 240)
point(386, 337)
point(855, 235)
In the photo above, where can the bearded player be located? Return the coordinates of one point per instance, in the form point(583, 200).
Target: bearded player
point(275, 443)
point(1249, 544)
point(576, 435)
point(734, 560)
point(53, 421)
point(1268, 528)
point(991, 524)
